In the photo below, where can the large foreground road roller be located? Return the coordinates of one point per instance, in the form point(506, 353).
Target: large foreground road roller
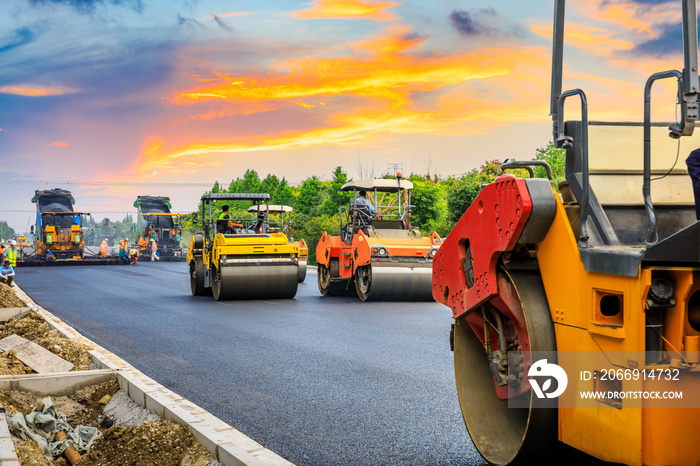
point(576, 312)
point(154, 217)
point(240, 258)
point(284, 225)
point(378, 255)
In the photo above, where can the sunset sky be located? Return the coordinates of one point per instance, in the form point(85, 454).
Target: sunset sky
point(194, 91)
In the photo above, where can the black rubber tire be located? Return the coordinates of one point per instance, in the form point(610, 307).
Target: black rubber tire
point(363, 282)
point(197, 278)
point(216, 284)
point(501, 434)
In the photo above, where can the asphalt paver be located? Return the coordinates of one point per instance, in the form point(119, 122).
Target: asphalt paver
point(319, 380)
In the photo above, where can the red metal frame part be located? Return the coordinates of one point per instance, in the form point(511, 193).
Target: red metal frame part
point(492, 225)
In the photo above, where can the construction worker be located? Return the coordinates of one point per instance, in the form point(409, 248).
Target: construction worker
point(134, 256)
point(154, 249)
point(103, 248)
point(7, 273)
point(228, 227)
point(11, 253)
point(2, 252)
point(362, 199)
point(122, 249)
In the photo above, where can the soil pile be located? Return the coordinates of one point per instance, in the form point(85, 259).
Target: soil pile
point(33, 327)
point(8, 298)
point(156, 443)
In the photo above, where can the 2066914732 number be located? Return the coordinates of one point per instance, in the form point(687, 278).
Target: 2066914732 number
point(636, 374)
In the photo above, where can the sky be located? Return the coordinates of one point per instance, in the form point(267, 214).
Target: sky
point(117, 98)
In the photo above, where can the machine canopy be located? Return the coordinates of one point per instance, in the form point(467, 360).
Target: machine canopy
point(378, 184)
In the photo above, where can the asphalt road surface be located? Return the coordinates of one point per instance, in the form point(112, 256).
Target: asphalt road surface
point(321, 381)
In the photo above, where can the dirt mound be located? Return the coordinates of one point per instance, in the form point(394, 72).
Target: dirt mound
point(8, 298)
point(156, 443)
point(33, 327)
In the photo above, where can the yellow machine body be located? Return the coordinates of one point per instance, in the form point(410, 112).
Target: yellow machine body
point(654, 436)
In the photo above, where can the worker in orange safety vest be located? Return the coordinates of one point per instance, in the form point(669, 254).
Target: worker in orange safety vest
point(103, 248)
point(154, 249)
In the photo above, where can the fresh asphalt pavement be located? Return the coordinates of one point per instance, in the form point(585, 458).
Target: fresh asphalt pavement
point(319, 380)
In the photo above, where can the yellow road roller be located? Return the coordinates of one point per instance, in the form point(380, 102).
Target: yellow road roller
point(240, 258)
point(577, 311)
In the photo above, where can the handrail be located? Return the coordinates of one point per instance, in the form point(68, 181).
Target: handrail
point(652, 235)
point(563, 141)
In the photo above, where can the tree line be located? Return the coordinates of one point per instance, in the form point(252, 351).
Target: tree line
point(438, 202)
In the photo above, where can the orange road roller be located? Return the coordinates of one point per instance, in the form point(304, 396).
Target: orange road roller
point(378, 254)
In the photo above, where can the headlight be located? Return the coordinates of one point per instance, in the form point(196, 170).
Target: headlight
point(382, 252)
point(432, 253)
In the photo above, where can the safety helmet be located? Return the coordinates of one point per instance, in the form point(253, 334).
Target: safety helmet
point(13, 242)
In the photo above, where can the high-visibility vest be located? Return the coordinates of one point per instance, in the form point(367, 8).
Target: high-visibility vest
point(11, 255)
point(122, 245)
point(103, 248)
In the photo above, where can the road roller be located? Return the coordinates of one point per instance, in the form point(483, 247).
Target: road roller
point(577, 309)
point(240, 258)
point(285, 226)
point(378, 254)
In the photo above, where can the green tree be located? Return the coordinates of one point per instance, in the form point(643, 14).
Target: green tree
point(556, 158)
point(284, 194)
point(216, 188)
point(5, 231)
point(336, 198)
point(269, 185)
point(311, 230)
point(251, 182)
point(308, 195)
point(427, 199)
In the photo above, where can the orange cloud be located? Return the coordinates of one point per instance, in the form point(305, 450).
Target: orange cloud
point(33, 90)
point(380, 87)
point(597, 40)
point(348, 9)
point(61, 144)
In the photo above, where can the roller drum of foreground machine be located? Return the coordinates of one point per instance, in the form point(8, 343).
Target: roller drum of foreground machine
point(241, 258)
point(378, 254)
point(599, 277)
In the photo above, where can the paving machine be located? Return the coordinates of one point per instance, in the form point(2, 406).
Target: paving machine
point(58, 233)
point(610, 267)
point(285, 226)
point(58, 229)
point(378, 256)
point(240, 258)
point(154, 216)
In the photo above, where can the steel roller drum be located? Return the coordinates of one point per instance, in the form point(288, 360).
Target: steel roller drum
point(398, 282)
point(302, 271)
point(277, 281)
